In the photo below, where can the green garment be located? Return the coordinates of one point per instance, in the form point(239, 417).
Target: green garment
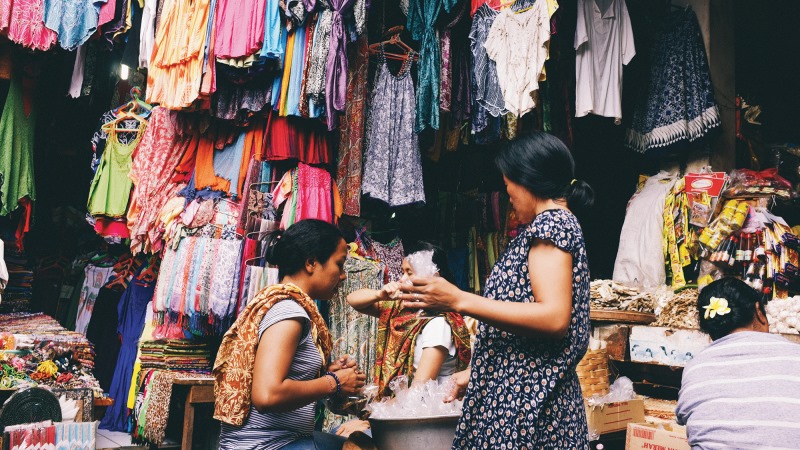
point(422, 16)
point(16, 150)
point(111, 187)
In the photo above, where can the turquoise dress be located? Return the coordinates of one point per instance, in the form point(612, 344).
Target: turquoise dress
point(422, 16)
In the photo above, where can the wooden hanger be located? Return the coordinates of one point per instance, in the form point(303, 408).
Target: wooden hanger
point(394, 39)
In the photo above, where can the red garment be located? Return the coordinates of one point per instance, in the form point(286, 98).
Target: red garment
point(296, 138)
point(24, 222)
point(108, 227)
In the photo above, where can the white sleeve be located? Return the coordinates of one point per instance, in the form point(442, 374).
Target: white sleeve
point(581, 33)
point(628, 47)
point(437, 333)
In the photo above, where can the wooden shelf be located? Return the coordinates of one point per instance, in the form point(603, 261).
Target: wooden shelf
point(614, 316)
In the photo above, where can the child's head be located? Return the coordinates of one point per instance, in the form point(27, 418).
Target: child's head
point(439, 258)
point(729, 304)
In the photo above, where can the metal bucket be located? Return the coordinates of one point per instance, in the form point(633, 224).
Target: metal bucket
point(428, 433)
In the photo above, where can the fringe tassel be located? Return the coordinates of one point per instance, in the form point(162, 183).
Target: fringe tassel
point(669, 134)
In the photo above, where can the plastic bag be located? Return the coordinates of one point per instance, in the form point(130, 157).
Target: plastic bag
point(422, 263)
point(749, 183)
point(620, 391)
point(420, 400)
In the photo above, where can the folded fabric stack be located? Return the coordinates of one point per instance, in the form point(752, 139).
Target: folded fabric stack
point(37, 330)
point(36, 350)
point(176, 355)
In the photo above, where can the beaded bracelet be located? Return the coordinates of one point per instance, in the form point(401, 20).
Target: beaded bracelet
point(336, 379)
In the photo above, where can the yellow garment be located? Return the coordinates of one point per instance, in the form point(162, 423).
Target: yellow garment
point(176, 67)
point(287, 72)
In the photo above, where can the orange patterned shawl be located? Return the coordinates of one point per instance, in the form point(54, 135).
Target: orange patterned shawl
point(233, 369)
point(398, 330)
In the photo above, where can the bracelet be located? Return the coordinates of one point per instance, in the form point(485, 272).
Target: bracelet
point(336, 379)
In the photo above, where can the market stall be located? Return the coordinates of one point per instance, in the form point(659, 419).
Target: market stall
point(148, 155)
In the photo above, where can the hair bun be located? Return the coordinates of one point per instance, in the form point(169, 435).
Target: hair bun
point(272, 253)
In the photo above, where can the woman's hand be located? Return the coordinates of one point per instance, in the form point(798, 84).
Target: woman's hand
point(389, 291)
point(462, 380)
point(351, 380)
point(344, 362)
point(351, 426)
point(433, 293)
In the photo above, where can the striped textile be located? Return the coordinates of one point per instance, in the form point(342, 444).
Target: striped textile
point(743, 392)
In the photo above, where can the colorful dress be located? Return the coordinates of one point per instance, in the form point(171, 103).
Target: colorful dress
point(523, 392)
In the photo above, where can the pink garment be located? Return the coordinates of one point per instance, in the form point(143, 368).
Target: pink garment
point(314, 195)
point(239, 26)
point(108, 227)
point(106, 12)
point(154, 162)
point(23, 22)
point(314, 199)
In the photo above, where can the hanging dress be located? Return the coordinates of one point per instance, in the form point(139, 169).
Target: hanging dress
point(393, 169)
point(678, 103)
point(132, 310)
point(111, 187)
point(16, 151)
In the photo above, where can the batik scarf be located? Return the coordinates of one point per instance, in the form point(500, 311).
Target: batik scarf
point(398, 330)
point(233, 369)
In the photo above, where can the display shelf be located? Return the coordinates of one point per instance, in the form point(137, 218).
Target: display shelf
point(614, 316)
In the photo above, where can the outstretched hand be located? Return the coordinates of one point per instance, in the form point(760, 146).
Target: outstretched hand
point(434, 293)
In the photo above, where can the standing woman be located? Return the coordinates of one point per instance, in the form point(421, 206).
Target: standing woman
point(522, 391)
point(274, 362)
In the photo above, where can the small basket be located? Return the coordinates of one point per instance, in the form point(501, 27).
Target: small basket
point(593, 373)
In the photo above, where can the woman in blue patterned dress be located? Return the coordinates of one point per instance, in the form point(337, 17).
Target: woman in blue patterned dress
point(521, 391)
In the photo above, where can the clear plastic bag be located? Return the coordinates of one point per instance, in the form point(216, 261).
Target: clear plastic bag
point(420, 400)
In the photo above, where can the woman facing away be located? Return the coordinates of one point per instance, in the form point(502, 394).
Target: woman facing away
point(742, 391)
point(522, 391)
point(423, 347)
point(274, 362)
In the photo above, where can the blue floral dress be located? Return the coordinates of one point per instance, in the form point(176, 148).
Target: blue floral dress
point(523, 392)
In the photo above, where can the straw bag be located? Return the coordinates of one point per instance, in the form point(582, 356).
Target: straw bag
point(593, 373)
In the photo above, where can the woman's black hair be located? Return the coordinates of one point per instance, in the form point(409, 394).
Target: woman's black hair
point(742, 300)
point(439, 257)
point(306, 240)
point(543, 165)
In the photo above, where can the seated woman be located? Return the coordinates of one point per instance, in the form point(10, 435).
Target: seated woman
point(274, 362)
point(742, 391)
point(421, 346)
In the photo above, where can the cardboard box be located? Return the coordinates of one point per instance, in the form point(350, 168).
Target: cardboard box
point(666, 346)
point(644, 436)
point(610, 417)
